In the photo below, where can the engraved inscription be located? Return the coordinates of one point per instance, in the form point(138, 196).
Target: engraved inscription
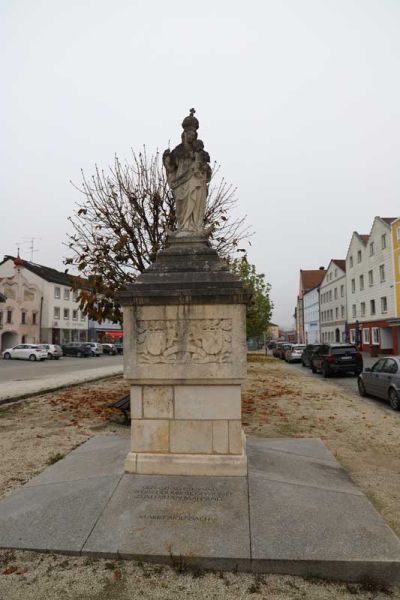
point(198, 341)
point(152, 492)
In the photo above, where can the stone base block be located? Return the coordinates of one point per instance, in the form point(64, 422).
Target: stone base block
point(187, 464)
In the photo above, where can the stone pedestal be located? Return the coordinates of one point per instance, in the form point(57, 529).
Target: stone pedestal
point(185, 357)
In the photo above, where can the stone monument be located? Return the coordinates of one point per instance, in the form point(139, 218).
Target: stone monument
point(185, 339)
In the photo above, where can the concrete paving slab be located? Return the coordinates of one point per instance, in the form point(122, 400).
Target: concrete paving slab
point(97, 459)
point(309, 447)
point(200, 517)
point(57, 517)
point(266, 461)
point(297, 512)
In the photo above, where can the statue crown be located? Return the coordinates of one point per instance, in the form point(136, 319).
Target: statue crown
point(190, 122)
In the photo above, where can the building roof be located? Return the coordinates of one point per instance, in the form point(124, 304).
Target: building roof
point(389, 220)
point(341, 263)
point(49, 274)
point(311, 278)
point(364, 237)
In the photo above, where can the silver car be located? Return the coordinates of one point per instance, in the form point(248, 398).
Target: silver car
point(54, 351)
point(294, 353)
point(382, 381)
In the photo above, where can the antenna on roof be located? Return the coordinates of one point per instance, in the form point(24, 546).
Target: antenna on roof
point(31, 242)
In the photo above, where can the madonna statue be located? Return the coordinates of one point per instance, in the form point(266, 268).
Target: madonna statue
point(188, 174)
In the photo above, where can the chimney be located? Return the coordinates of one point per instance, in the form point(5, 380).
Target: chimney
point(322, 268)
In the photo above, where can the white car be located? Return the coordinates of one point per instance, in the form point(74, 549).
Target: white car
point(26, 352)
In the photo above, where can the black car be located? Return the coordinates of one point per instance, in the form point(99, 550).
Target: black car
point(307, 354)
point(119, 347)
point(78, 349)
point(337, 358)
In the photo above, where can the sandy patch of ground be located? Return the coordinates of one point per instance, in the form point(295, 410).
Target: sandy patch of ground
point(278, 402)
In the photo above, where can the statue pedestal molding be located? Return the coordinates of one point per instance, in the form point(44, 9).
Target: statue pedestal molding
point(185, 357)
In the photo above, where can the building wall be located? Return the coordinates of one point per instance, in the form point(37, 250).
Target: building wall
point(311, 317)
point(52, 330)
point(360, 314)
point(396, 263)
point(23, 306)
point(333, 305)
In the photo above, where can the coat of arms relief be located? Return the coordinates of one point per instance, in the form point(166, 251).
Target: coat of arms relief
point(198, 341)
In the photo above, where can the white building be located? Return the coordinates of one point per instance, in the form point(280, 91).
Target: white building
point(311, 316)
point(333, 303)
point(40, 306)
point(370, 287)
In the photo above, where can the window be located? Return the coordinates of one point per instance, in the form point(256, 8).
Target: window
point(390, 366)
point(342, 311)
point(66, 314)
point(365, 334)
point(341, 291)
point(352, 336)
point(83, 317)
point(335, 293)
point(384, 304)
point(382, 273)
point(353, 310)
point(23, 318)
point(378, 366)
point(330, 295)
point(56, 312)
point(351, 261)
point(363, 309)
point(353, 285)
point(76, 296)
point(361, 282)
point(57, 292)
point(371, 249)
point(359, 257)
point(66, 293)
point(9, 316)
point(371, 278)
point(34, 318)
point(337, 312)
point(383, 241)
point(335, 272)
point(74, 315)
point(372, 306)
point(375, 336)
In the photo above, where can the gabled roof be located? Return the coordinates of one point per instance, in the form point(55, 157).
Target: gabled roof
point(311, 278)
point(389, 220)
point(363, 236)
point(341, 263)
point(49, 274)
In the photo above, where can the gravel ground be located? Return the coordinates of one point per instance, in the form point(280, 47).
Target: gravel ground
point(278, 402)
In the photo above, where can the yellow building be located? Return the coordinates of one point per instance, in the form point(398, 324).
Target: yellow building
point(396, 262)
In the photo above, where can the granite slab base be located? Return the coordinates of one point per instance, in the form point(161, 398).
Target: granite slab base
point(297, 512)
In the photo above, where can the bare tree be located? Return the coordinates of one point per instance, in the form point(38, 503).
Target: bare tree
point(122, 221)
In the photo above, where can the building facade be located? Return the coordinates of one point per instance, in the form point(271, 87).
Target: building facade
point(105, 332)
point(40, 306)
point(333, 303)
point(395, 226)
point(311, 316)
point(309, 279)
point(371, 300)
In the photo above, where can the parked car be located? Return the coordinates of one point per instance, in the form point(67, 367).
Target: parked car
point(282, 349)
point(54, 352)
point(294, 353)
point(25, 352)
point(110, 349)
point(337, 358)
point(382, 381)
point(307, 354)
point(97, 349)
point(78, 349)
point(120, 347)
point(276, 349)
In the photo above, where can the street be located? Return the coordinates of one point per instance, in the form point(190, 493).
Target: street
point(24, 370)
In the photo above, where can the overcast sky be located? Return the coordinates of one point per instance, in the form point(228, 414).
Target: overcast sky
point(299, 101)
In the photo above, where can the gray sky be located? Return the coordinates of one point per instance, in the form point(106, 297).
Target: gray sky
point(298, 100)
